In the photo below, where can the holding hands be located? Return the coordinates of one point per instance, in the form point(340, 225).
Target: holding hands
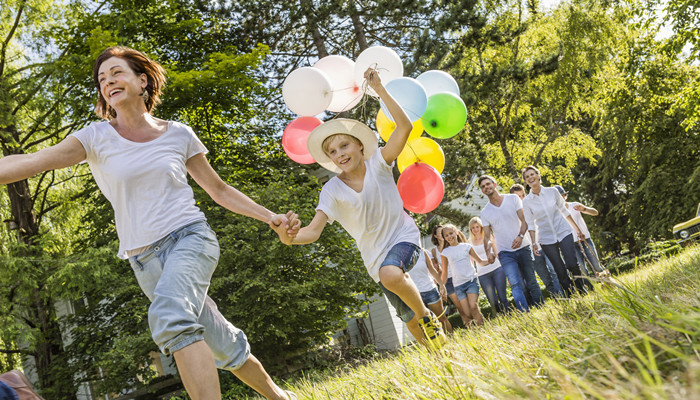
point(286, 226)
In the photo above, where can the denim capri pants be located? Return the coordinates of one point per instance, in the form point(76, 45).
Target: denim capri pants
point(403, 255)
point(174, 273)
point(471, 286)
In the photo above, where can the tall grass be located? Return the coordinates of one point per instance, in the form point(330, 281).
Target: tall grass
point(638, 340)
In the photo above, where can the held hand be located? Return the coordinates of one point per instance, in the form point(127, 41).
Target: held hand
point(443, 292)
point(491, 258)
point(579, 208)
point(279, 224)
point(294, 223)
point(536, 249)
point(517, 242)
point(373, 79)
point(580, 235)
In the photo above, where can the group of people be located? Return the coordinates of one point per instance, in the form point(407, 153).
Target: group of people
point(518, 237)
point(141, 163)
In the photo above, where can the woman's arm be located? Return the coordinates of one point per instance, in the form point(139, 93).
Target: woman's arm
point(234, 200)
point(431, 268)
point(22, 166)
point(573, 223)
point(443, 276)
point(476, 258)
point(311, 232)
point(586, 210)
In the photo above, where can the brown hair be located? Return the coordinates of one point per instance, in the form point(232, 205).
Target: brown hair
point(529, 167)
point(327, 142)
point(140, 64)
point(485, 177)
point(432, 237)
point(517, 188)
point(460, 236)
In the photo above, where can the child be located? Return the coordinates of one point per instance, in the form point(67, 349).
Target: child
point(424, 275)
point(366, 202)
point(455, 255)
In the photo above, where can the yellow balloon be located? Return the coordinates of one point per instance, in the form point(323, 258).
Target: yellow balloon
point(422, 150)
point(385, 126)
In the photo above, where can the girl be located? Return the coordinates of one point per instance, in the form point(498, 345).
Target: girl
point(366, 202)
point(439, 243)
point(455, 256)
point(545, 212)
point(425, 275)
point(140, 164)
point(492, 278)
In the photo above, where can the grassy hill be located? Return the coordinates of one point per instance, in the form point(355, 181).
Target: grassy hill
point(635, 341)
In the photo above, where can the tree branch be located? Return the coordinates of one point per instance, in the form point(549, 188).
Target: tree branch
point(3, 51)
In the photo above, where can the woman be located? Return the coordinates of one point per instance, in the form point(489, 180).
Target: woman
point(425, 275)
point(492, 278)
point(456, 256)
point(439, 242)
point(545, 212)
point(140, 164)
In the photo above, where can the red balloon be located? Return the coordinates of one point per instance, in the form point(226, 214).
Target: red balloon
point(295, 136)
point(421, 188)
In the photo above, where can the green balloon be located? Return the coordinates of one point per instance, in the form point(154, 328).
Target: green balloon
point(445, 115)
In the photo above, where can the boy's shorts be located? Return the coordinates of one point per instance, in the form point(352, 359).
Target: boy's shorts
point(403, 255)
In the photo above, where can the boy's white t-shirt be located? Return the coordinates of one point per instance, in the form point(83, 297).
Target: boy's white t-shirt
point(504, 222)
point(375, 217)
point(146, 183)
point(480, 271)
point(578, 218)
point(460, 262)
point(421, 275)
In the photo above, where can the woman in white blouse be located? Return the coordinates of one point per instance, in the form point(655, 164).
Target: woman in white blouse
point(546, 212)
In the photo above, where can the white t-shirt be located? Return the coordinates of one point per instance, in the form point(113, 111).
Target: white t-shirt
point(578, 218)
point(375, 217)
point(504, 221)
point(145, 182)
point(421, 275)
point(479, 249)
point(460, 262)
point(439, 261)
point(546, 213)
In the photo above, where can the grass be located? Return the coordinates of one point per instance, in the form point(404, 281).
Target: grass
point(636, 341)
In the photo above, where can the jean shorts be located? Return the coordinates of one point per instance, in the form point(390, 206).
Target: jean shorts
point(471, 286)
point(174, 273)
point(449, 287)
point(403, 255)
point(430, 297)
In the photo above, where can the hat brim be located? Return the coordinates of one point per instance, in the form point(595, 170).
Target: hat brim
point(337, 126)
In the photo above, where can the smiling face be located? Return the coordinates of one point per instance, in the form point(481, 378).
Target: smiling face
point(119, 84)
point(450, 236)
point(531, 177)
point(476, 229)
point(487, 187)
point(345, 151)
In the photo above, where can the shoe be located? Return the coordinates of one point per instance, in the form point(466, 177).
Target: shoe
point(432, 329)
point(21, 385)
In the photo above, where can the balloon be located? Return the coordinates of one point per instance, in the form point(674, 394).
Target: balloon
point(384, 60)
point(410, 95)
point(421, 188)
point(307, 91)
point(423, 150)
point(435, 81)
point(445, 115)
point(341, 72)
point(295, 136)
point(386, 127)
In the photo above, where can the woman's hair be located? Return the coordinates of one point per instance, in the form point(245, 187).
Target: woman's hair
point(432, 236)
point(529, 167)
point(460, 236)
point(327, 141)
point(472, 222)
point(140, 64)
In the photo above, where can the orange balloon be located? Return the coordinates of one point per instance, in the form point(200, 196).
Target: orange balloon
point(385, 126)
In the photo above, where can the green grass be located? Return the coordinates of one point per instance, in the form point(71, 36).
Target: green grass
point(637, 341)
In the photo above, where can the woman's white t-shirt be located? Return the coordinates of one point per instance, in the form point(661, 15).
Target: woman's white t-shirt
point(480, 271)
point(421, 275)
point(460, 262)
point(374, 217)
point(146, 183)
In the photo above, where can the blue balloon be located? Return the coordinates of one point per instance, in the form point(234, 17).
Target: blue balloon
point(435, 81)
point(410, 95)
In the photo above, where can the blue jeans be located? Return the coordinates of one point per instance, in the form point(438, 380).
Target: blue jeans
point(546, 272)
point(494, 286)
point(590, 258)
point(403, 255)
point(175, 274)
point(510, 261)
point(568, 265)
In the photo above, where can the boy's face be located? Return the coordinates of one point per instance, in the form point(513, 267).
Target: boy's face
point(345, 152)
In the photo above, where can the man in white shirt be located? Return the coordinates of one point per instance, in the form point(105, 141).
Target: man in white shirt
point(589, 256)
point(503, 216)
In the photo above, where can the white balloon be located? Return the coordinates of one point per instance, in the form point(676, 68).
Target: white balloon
point(346, 91)
point(384, 60)
point(307, 91)
point(435, 81)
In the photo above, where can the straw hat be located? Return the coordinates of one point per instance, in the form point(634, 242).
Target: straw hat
point(337, 126)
